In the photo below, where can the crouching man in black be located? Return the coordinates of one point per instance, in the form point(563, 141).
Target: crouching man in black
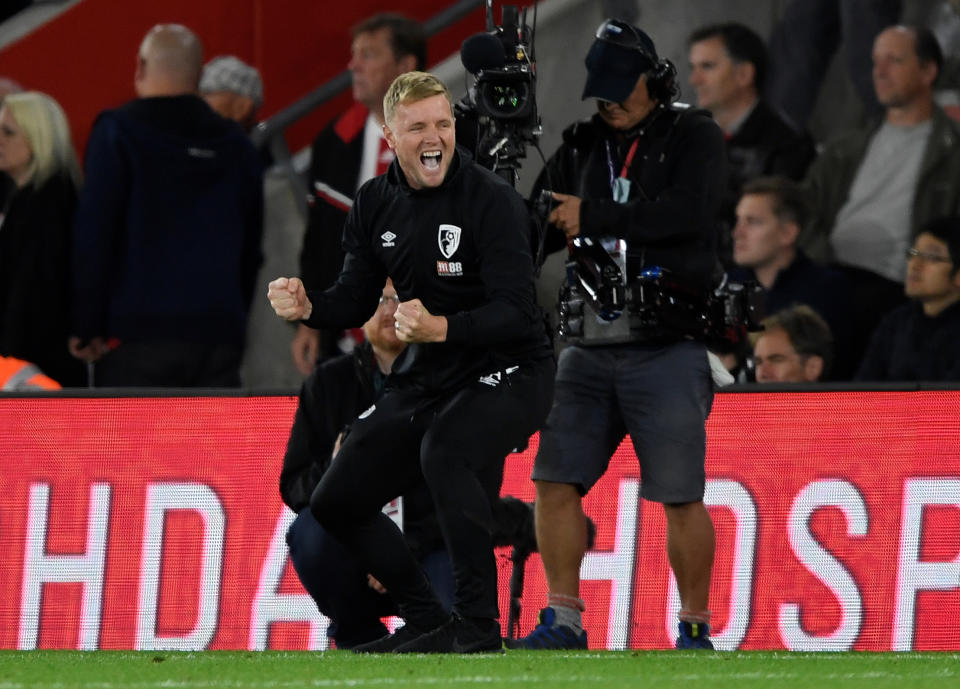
point(475, 381)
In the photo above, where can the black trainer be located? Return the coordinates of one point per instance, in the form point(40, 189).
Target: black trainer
point(388, 643)
point(459, 635)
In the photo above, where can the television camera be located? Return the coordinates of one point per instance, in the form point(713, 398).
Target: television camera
point(600, 305)
point(501, 106)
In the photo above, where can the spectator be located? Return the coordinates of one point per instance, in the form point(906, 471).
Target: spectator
point(805, 40)
point(346, 154)
point(795, 346)
point(167, 231)
point(728, 64)
point(37, 155)
point(873, 189)
point(918, 341)
point(769, 217)
point(233, 89)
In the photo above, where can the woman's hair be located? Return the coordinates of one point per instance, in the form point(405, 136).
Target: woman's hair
point(45, 126)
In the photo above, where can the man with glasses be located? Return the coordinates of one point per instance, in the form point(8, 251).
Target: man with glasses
point(651, 173)
point(918, 341)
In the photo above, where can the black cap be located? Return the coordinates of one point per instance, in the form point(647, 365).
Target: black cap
point(619, 55)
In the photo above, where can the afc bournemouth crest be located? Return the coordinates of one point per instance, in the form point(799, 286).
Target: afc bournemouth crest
point(449, 240)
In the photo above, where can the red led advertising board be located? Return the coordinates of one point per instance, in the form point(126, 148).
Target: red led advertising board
point(155, 523)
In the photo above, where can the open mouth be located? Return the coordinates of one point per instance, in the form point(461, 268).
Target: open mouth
point(431, 159)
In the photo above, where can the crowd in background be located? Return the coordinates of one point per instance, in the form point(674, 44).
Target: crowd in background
point(140, 270)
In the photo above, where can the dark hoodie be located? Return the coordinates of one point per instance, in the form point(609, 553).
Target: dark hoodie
point(168, 230)
point(463, 249)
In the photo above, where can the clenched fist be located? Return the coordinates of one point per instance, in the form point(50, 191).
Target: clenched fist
point(416, 324)
point(289, 299)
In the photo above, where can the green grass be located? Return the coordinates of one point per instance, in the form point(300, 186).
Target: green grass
point(288, 670)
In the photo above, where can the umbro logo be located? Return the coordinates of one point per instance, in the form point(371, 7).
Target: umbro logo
point(493, 380)
point(388, 238)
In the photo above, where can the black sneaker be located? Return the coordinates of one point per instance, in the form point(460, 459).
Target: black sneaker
point(387, 644)
point(459, 635)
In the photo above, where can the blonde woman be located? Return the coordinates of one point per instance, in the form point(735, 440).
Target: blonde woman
point(38, 158)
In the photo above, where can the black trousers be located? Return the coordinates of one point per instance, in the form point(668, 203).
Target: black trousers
point(457, 442)
point(339, 586)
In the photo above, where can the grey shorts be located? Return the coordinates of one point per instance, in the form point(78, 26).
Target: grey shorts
point(660, 395)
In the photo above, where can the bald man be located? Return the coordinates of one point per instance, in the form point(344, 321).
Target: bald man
point(168, 231)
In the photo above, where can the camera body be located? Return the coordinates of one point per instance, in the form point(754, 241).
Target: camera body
point(502, 104)
point(599, 305)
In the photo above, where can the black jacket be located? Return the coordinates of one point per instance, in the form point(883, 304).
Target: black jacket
point(677, 178)
point(331, 398)
point(763, 145)
point(173, 199)
point(910, 346)
point(826, 291)
point(35, 248)
point(482, 281)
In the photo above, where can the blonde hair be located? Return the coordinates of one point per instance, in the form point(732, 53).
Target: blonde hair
point(411, 87)
point(45, 127)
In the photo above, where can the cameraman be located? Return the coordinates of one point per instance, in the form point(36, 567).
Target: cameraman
point(651, 173)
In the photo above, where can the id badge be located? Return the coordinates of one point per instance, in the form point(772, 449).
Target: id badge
point(621, 189)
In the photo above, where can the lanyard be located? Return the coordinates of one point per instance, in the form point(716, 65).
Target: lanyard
point(620, 187)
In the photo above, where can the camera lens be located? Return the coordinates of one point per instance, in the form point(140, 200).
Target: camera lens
point(506, 100)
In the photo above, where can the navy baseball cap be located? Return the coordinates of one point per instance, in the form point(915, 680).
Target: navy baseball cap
point(619, 55)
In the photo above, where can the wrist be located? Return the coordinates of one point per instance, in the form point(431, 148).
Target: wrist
point(441, 335)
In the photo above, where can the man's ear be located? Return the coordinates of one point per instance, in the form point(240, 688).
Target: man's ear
point(391, 139)
point(790, 231)
point(745, 74)
point(813, 368)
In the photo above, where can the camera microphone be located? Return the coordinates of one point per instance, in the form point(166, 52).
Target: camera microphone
point(482, 51)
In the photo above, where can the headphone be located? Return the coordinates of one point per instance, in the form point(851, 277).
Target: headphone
point(662, 82)
point(662, 77)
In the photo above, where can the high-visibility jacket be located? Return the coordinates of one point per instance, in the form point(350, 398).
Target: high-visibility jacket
point(16, 374)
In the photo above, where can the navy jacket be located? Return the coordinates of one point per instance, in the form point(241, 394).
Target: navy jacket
point(169, 226)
